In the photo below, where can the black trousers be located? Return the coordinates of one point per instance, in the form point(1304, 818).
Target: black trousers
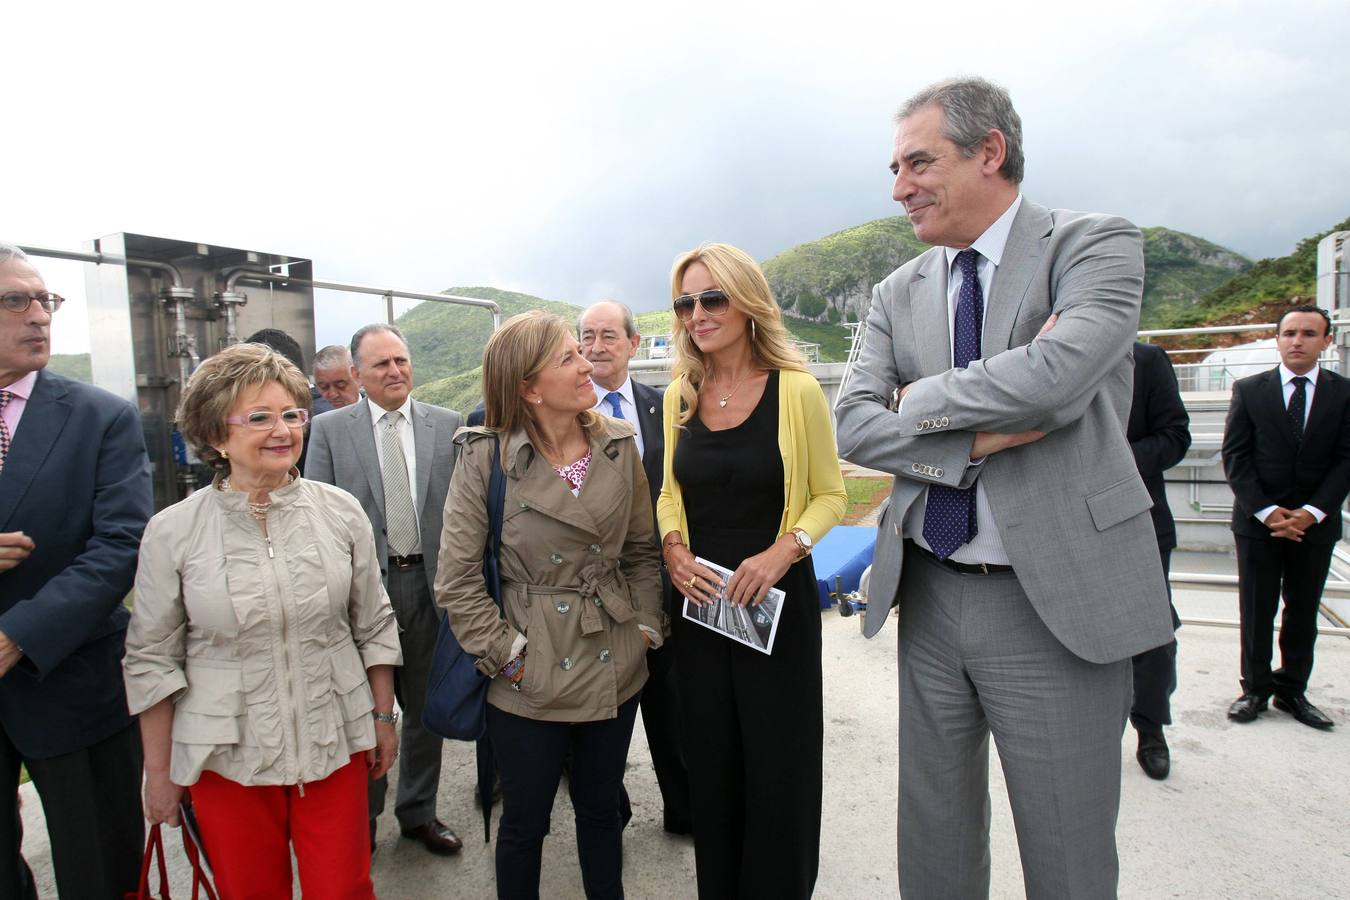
point(661, 721)
point(754, 735)
point(1269, 568)
point(529, 757)
point(92, 802)
point(1155, 674)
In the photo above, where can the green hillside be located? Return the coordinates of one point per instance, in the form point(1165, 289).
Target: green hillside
point(71, 365)
point(1274, 279)
point(830, 280)
point(1179, 270)
point(447, 339)
point(461, 392)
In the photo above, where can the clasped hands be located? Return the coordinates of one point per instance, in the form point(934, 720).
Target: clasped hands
point(748, 585)
point(1290, 523)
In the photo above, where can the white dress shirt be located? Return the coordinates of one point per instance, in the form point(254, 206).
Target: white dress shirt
point(405, 436)
point(626, 403)
point(1287, 382)
point(987, 546)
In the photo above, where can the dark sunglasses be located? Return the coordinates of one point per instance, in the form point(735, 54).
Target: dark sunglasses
point(19, 302)
point(715, 303)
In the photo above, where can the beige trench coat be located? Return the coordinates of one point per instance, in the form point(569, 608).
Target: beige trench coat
point(264, 654)
point(579, 574)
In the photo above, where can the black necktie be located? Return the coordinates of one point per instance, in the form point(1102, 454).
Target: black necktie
point(1298, 405)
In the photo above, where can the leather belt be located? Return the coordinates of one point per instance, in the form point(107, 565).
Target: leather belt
point(960, 567)
point(405, 562)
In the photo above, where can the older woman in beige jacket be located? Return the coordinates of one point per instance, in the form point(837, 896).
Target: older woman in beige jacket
point(261, 642)
point(581, 593)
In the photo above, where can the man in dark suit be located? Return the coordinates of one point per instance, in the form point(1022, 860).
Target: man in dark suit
point(396, 455)
point(1159, 433)
point(609, 339)
point(75, 495)
point(1286, 452)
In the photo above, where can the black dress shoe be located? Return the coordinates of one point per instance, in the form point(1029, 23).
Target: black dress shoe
point(1247, 707)
point(435, 837)
point(1154, 757)
point(1305, 712)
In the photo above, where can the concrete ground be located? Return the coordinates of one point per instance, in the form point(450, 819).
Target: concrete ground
point(1259, 810)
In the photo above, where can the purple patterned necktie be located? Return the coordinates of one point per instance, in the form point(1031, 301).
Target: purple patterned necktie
point(949, 519)
point(4, 429)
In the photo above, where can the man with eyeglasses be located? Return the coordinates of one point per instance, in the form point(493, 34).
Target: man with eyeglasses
point(395, 455)
point(75, 494)
point(609, 341)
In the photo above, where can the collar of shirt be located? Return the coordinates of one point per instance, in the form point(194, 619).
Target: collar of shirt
point(990, 245)
point(625, 392)
point(377, 411)
point(23, 388)
point(1287, 376)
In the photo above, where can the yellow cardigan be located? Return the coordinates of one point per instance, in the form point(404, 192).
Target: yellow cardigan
point(813, 486)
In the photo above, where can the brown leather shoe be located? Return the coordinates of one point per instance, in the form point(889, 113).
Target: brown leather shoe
point(435, 837)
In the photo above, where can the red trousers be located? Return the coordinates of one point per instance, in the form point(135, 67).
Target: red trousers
point(249, 832)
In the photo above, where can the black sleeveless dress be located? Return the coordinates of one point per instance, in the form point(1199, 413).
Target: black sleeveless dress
point(753, 727)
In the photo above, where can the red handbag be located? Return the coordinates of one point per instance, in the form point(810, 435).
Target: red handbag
point(154, 853)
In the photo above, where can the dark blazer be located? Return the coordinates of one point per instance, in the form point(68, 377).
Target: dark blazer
point(1159, 431)
point(76, 481)
point(649, 403)
point(1265, 468)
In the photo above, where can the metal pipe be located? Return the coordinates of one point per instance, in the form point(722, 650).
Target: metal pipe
point(238, 275)
point(1227, 623)
point(99, 259)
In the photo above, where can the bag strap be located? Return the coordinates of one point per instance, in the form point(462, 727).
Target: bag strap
point(154, 850)
point(200, 881)
point(496, 497)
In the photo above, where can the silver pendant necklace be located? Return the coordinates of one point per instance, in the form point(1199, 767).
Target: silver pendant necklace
point(723, 402)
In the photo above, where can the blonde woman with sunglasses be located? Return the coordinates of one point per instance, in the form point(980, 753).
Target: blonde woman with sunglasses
point(752, 481)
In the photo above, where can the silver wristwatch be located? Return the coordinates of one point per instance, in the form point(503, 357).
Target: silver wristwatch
point(391, 717)
point(803, 541)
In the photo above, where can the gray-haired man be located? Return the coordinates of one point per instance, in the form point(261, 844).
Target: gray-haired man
point(333, 376)
point(396, 455)
point(1021, 527)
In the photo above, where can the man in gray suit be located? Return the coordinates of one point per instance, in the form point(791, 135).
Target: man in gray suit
point(1017, 541)
point(396, 455)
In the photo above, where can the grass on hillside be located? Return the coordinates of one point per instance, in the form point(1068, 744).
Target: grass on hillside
point(864, 494)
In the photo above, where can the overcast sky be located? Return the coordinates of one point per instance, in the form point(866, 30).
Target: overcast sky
point(573, 150)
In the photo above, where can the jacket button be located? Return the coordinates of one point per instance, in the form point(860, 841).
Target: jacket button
point(946, 421)
point(937, 473)
point(566, 664)
point(915, 468)
point(524, 505)
point(604, 655)
point(597, 601)
point(563, 606)
point(556, 559)
point(595, 549)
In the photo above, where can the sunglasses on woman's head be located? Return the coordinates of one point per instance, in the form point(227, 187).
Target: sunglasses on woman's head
point(714, 302)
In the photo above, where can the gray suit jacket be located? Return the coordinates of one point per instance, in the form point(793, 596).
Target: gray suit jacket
point(342, 452)
point(1071, 509)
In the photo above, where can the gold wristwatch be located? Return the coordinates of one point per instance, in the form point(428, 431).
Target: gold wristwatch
point(803, 540)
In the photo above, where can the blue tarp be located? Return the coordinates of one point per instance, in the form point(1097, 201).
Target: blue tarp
point(843, 553)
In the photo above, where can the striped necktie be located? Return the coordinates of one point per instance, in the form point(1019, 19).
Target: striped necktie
point(4, 429)
point(400, 519)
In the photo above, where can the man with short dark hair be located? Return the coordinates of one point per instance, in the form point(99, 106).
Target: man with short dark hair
point(395, 455)
point(333, 376)
point(609, 339)
point(1286, 452)
point(75, 494)
point(1018, 532)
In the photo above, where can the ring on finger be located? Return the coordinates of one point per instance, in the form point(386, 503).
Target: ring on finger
point(688, 585)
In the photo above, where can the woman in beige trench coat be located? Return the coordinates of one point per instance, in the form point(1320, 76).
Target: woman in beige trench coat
point(581, 595)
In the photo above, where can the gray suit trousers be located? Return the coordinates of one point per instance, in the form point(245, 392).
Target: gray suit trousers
point(976, 659)
point(419, 751)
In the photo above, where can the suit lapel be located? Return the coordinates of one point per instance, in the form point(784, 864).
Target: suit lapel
point(929, 317)
point(424, 449)
point(361, 430)
point(44, 418)
point(649, 418)
point(1030, 231)
point(1326, 397)
point(1272, 394)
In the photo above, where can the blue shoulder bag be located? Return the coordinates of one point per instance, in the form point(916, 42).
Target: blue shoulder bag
point(456, 705)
